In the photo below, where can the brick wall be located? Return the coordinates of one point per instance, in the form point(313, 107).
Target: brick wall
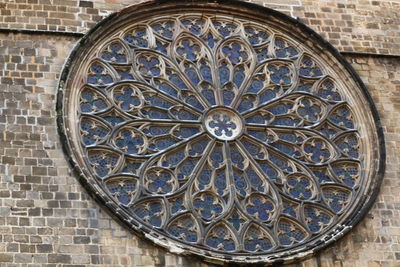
point(47, 218)
point(367, 26)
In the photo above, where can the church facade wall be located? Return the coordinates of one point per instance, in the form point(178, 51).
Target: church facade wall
point(48, 219)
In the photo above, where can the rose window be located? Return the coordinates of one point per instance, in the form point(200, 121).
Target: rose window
point(220, 131)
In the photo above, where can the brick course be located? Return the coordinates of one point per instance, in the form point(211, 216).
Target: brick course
point(48, 219)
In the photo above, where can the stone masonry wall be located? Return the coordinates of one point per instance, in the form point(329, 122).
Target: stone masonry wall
point(368, 26)
point(48, 219)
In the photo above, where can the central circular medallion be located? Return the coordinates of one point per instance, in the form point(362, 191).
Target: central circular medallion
point(223, 124)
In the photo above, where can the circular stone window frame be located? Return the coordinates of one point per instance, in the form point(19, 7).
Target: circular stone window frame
point(286, 24)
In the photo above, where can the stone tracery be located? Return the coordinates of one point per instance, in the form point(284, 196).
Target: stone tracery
point(219, 133)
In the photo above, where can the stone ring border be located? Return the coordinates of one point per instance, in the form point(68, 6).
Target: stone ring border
point(246, 9)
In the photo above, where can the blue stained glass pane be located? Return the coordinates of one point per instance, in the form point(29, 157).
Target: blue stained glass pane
point(289, 210)
point(99, 76)
point(217, 156)
point(194, 26)
point(150, 212)
point(238, 76)
point(185, 115)
point(286, 121)
point(186, 168)
point(255, 180)
point(299, 188)
point(280, 163)
point(261, 135)
point(280, 109)
point(228, 97)
point(322, 177)
point(236, 220)
point(289, 233)
point(237, 158)
point(103, 162)
point(347, 172)
point(220, 181)
point(258, 119)
point(122, 190)
point(161, 47)
point(304, 87)
point(220, 239)
point(173, 159)
point(246, 104)
point(208, 206)
point(262, 54)
point(166, 88)
point(316, 220)
point(317, 150)
point(225, 29)
point(342, 117)
point(256, 240)
point(256, 36)
point(125, 74)
point(92, 102)
point(336, 198)
point(177, 81)
point(270, 172)
point(260, 207)
point(127, 99)
point(205, 71)
point(115, 54)
point(235, 53)
point(267, 96)
point(211, 40)
point(188, 49)
point(256, 85)
point(159, 181)
point(177, 205)
point(289, 137)
point(329, 91)
point(284, 50)
point(184, 228)
point(113, 119)
point(280, 74)
point(253, 149)
point(92, 132)
point(165, 29)
point(209, 96)
point(137, 38)
point(132, 167)
point(204, 178)
point(129, 141)
point(149, 65)
point(153, 113)
point(192, 75)
point(257, 245)
point(309, 68)
point(198, 147)
point(240, 183)
point(309, 111)
point(224, 73)
point(162, 143)
point(156, 130)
